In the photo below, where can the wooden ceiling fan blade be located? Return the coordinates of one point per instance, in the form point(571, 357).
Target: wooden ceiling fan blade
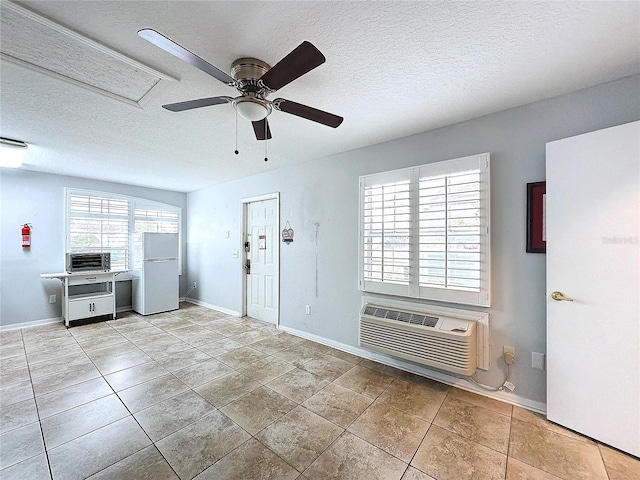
point(201, 102)
point(304, 58)
point(307, 112)
point(182, 53)
point(259, 127)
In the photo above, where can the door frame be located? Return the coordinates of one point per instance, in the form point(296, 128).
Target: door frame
point(244, 210)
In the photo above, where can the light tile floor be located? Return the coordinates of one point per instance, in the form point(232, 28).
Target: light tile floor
point(199, 394)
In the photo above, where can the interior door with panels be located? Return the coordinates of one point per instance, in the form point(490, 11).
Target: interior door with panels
point(263, 260)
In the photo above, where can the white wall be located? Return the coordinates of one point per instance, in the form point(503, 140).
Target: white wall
point(38, 198)
point(326, 191)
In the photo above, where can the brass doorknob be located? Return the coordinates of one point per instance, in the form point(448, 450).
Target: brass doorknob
point(559, 297)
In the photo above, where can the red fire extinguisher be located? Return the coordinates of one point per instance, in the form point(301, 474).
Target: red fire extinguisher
point(26, 235)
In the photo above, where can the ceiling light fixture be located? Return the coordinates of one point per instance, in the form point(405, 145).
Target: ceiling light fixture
point(253, 109)
point(11, 152)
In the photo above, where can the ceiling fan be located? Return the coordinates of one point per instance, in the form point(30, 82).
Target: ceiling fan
point(254, 80)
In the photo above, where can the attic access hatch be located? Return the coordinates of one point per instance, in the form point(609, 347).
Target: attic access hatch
point(40, 44)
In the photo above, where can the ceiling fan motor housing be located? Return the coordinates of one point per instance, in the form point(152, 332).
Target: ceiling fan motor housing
point(247, 72)
point(251, 104)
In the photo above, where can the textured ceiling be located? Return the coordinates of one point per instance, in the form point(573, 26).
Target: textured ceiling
point(393, 69)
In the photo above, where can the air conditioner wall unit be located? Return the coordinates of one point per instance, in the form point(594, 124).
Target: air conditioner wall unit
point(435, 340)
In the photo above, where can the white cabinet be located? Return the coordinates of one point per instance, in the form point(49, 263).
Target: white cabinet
point(92, 305)
point(86, 295)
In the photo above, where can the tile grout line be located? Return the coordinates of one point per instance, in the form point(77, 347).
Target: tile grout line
point(96, 429)
point(606, 470)
point(345, 430)
point(191, 423)
point(153, 443)
point(101, 376)
point(506, 469)
point(131, 415)
point(218, 409)
point(470, 439)
point(416, 452)
point(254, 437)
point(395, 378)
point(35, 403)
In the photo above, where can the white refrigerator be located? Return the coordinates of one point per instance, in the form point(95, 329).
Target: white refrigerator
point(155, 287)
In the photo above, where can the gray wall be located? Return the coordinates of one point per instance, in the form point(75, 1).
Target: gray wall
point(38, 198)
point(326, 191)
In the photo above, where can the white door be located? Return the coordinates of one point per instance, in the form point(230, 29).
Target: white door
point(593, 257)
point(263, 256)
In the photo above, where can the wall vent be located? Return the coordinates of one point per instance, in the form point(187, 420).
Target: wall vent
point(408, 317)
point(442, 342)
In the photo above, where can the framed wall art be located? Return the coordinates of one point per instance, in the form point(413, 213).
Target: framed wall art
point(536, 204)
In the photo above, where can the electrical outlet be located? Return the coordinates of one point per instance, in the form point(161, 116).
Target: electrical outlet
point(307, 309)
point(537, 360)
point(509, 355)
point(52, 298)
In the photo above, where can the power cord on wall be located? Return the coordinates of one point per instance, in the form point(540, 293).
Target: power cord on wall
point(509, 359)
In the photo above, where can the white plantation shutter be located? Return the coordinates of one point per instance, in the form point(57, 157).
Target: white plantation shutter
point(100, 224)
point(387, 234)
point(150, 219)
point(103, 222)
point(425, 231)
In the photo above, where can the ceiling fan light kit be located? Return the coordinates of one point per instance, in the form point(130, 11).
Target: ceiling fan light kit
point(254, 80)
point(252, 109)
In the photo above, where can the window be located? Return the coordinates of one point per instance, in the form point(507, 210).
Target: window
point(424, 231)
point(150, 219)
point(103, 222)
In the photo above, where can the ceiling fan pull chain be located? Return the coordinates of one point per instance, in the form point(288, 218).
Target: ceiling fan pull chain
point(266, 125)
point(236, 152)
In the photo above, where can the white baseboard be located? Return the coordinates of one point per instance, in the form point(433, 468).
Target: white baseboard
point(35, 323)
point(212, 307)
point(441, 377)
point(44, 321)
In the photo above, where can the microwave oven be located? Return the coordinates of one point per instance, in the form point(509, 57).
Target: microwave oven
point(83, 262)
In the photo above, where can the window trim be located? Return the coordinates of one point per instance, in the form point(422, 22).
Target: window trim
point(133, 204)
point(482, 297)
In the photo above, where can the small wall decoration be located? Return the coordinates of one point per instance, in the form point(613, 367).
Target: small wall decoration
point(536, 205)
point(262, 242)
point(287, 234)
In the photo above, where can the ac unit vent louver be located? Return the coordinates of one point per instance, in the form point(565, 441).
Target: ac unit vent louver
point(401, 316)
point(442, 342)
